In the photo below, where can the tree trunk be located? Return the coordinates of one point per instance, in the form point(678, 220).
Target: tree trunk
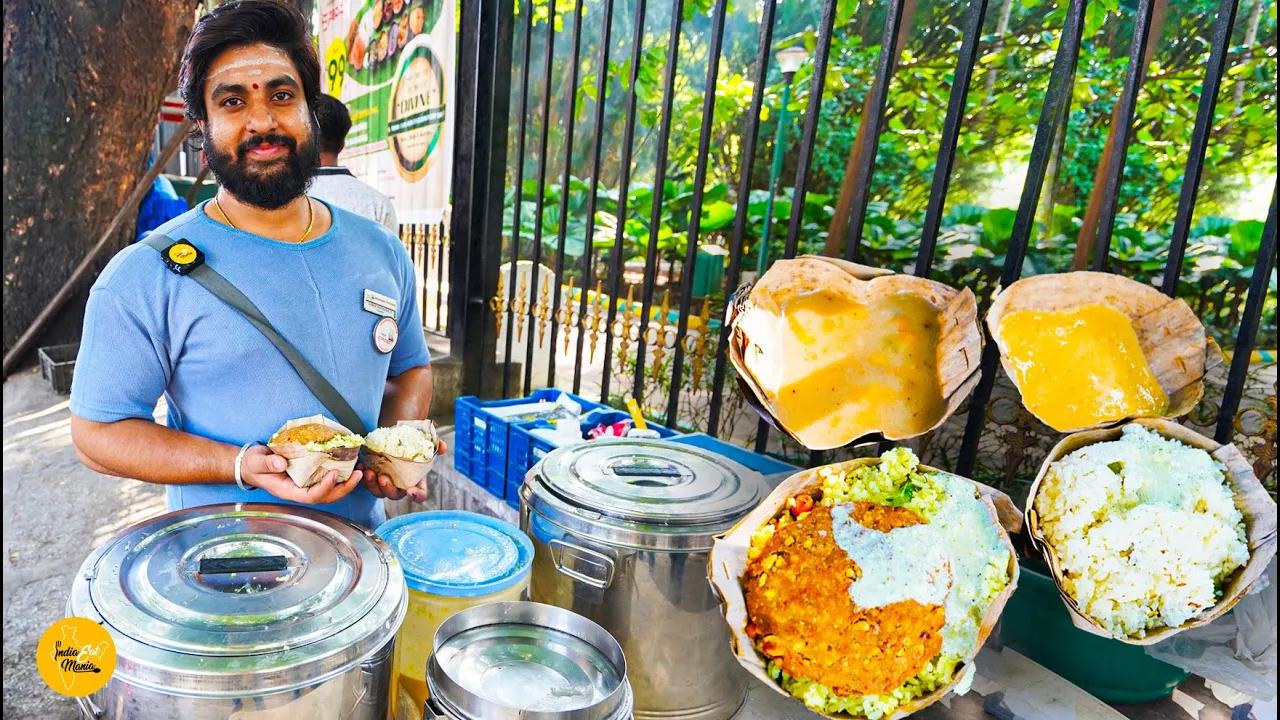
point(989, 86)
point(1047, 194)
point(1250, 37)
point(848, 184)
point(1089, 224)
point(83, 83)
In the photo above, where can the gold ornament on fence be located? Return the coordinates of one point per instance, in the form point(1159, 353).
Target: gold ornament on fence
point(699, 351)
point(564, 317)
point(594, 322)
point(433, 244)
point(622, 329)
point(521, 306)
point(660, 340)
point(542, 311)
point(498, 303)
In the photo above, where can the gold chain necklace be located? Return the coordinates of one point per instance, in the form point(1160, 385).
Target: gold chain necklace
point(311, 217)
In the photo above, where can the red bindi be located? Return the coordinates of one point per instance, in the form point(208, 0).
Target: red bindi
point(255, 86)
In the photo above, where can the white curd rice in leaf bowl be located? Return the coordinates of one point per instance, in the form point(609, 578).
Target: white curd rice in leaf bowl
point(1150, 528)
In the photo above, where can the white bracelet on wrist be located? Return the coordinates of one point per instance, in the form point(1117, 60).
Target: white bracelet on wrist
point(240, 461)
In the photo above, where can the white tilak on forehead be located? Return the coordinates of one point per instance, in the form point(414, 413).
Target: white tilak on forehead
point(257, 67)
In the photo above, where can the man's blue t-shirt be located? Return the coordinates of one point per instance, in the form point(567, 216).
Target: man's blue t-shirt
point(149, 332)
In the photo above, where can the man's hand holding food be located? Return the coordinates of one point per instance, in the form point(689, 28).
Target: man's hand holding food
point(263, 469)
point(382, 486)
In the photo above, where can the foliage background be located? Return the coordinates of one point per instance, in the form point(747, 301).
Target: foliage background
point(1020, 37)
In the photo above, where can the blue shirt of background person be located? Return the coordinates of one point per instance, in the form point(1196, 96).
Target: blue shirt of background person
point(160, 205)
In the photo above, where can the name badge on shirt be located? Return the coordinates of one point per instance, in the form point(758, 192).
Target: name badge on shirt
point(379, 304)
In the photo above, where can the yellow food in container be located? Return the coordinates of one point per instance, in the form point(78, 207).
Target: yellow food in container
point(452, 561)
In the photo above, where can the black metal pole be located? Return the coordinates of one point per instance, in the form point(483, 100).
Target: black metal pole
point(807, 140)
point(659, 180)
point(809, 137)
point(519, 194)
point(543, 154)
point(1133, 78)
point(624, 188)
point(571, 90)
point(1219, 45)
point(465, 331)
point(588, 255)
point(740, 218)
point(695, 212)
point(1245, 338)
point(1057, 98)
point(951, 127)
point(885, 65)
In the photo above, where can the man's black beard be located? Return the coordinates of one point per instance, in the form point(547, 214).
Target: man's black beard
point(280, 185)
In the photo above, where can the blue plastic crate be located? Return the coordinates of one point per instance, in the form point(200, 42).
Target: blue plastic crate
point(512, 493)
point(762, 464)
point(495, 482)
point(462, 412)
point(462, 463)
point(524, 449)
point(486, 434)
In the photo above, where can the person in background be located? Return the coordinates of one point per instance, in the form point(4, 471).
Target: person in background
point(335, 184)
point(160, 205)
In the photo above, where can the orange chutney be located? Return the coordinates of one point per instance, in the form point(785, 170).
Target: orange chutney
point(869, 365)
point(1080, 367)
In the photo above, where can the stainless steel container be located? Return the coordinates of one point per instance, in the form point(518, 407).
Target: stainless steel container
point(621, 532)
point(244, 612)
point(525, 661)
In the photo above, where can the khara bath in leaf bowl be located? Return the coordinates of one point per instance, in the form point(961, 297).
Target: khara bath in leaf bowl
point(865, 589)
point(831, 352)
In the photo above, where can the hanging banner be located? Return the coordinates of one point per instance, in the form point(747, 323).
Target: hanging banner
point(391, 62)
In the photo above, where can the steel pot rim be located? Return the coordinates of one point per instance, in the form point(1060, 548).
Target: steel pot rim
point(462, 702)
point(145, 666)
point(606, 530)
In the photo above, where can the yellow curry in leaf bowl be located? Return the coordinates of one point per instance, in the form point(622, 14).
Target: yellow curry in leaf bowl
point(1088, 349)
point(831, 352)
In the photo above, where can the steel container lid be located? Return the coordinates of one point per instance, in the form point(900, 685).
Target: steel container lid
point(527, 661)
point(647, 493)
point(458, 554)
point(236, 599)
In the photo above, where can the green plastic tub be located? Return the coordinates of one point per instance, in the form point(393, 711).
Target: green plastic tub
point(1036, 624)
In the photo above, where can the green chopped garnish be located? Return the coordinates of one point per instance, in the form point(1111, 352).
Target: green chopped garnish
point(902, 495)
point(1115, 467)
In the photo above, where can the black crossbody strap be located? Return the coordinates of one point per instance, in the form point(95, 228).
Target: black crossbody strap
point(231, 295)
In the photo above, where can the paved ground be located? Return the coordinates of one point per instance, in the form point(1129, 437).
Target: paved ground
point(56, 511)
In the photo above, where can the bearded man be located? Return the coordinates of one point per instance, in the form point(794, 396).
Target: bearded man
point(338, 288)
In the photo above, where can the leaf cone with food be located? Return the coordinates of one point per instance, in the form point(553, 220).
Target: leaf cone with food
point(403, 452)
point(314, 446)
point(1087, 349)
point(1150, 529)
point(831, 352)
point(866, 588)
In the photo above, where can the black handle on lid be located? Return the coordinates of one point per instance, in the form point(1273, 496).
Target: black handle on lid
point(644, 467)
point(224, 566)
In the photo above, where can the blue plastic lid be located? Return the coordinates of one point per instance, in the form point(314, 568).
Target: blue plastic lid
point(458, 554)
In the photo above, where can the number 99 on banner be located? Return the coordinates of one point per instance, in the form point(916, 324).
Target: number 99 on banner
point(335, 62)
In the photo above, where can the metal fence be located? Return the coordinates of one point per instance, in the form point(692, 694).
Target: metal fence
point(642, 331)
point(429, 246)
